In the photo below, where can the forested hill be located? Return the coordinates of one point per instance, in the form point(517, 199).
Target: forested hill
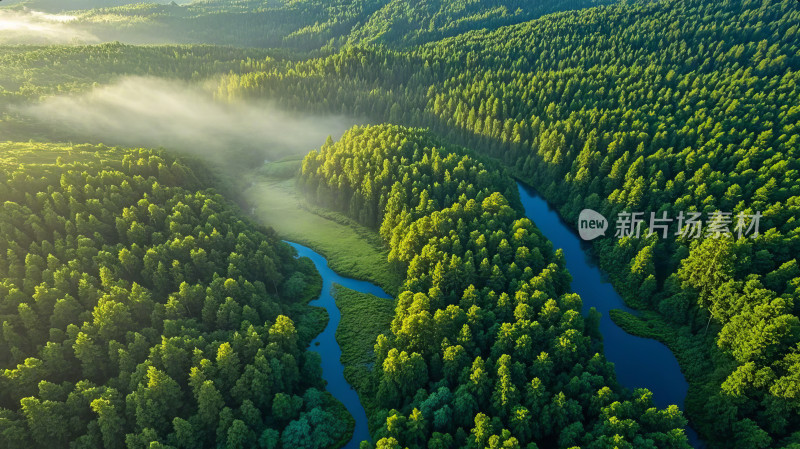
point(312, 24)
point(33, 72)
point(404, 24)
point(488, 347)
point(667, 106)
point(141, 312)
point(664, 107)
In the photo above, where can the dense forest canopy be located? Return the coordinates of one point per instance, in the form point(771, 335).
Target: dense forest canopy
point(138, 311)
point(487, 347)
point(297, 24)
point(653, 106)
point(664, 106)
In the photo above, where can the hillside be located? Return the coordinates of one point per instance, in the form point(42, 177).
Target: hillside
point(487, 347)
point(139, 310)
point(670, 106)
point(675, 109)
point(55, 6)
point(308, 25)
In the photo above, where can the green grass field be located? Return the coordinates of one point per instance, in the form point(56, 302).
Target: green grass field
point(351, 249)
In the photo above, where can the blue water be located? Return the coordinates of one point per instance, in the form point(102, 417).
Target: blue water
point(328, 348)
point(640, 362)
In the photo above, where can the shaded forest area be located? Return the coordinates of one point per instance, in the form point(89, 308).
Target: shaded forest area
point(311, 25)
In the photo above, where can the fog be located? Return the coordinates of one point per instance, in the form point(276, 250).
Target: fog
point(34, 27)
point(151, 112)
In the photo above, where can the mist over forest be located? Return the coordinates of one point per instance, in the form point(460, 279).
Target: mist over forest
point(55, 6)
point(154, 112)
point(36, 27)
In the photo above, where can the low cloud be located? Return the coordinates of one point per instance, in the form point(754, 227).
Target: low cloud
point(152, 112)
point(34, 27)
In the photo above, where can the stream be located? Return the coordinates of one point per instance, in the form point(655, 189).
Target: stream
point(327, 347)
point(640, 362)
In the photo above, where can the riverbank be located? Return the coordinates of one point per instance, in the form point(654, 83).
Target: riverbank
point(364, 317)
point(311, 321)
point(703, 368)
point(351, 249)
point(639, 362)
point(326, 345)
point(344, 248)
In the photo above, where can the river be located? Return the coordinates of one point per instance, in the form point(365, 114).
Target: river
point(640, 362)
point(328, 348)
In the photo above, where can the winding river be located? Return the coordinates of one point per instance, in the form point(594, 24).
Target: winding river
point(328, 348)
point(640, 362)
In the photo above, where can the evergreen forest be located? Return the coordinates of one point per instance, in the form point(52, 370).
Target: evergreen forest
point(149, 297)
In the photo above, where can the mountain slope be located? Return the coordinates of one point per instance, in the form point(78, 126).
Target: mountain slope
point(664, 107)
point(311, 24)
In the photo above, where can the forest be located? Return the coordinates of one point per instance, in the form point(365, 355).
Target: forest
point(141, 310)
point(597, 121)
point(311, 25)
point(36, 71)
point(487, 347)
point(130, 275)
